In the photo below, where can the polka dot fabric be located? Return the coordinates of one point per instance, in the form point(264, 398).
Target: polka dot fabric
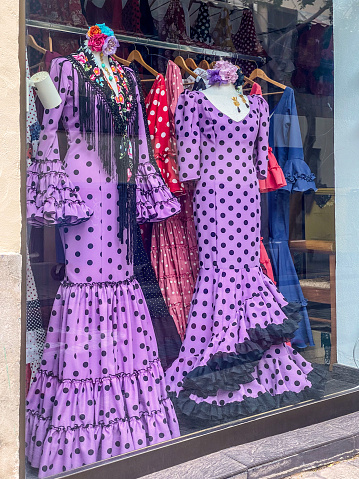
point(100, 389)
point(200, 30)
point(159, 128)
point(236, 313)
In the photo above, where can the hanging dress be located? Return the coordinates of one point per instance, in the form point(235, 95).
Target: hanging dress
point(222, 32)
point(131, 17)
point(172, 28)
point(246, 42)
point(35, 333)
point(233, 361)
point(286, 142)
point(160, 133)
point(200, 30)
point(100, 391)
point(174, 254)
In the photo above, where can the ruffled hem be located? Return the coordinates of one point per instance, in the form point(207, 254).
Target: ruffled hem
point(52, 198)
point(155, 202)
point(298, 176)
point(275, 180)
point(249, 406)
point(58, 449)
point(226, 371)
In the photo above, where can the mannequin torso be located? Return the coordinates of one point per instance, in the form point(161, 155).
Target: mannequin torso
point(221, 97)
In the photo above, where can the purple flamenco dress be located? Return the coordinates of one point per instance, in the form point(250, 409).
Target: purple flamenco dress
point(234, 361)
point(100, 389)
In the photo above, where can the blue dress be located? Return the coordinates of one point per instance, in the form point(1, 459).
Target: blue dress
point(286, 142)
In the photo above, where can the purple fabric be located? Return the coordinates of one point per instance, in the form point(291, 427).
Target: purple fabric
point(236, 310)
point(100, 390)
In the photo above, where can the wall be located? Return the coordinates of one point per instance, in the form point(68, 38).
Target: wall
point(10, 240)
point(346, 147)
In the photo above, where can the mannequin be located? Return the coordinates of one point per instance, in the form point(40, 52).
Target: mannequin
point(104, 60)
point(221, 97)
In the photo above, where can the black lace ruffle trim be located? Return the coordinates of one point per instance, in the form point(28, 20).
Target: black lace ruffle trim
point(214, 414)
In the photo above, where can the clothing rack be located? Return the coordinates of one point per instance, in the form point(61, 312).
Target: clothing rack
point(147, 42)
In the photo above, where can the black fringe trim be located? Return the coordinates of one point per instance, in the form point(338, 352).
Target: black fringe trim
point(214, 414)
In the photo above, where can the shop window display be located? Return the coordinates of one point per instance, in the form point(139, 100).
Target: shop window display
point(163, 204)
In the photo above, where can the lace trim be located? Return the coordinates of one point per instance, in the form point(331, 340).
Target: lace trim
point(112, 422)
point(100, 284)
point(135, 374)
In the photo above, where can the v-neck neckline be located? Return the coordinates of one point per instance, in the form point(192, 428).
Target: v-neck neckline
point(224, 114)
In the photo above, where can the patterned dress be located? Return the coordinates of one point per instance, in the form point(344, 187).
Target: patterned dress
point(100, 390)
point(233, 361)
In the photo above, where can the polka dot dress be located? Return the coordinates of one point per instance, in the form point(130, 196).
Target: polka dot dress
point(233, 361)
point(246, 41)
point(200, 30)
point(100, 389)
point(159, 128)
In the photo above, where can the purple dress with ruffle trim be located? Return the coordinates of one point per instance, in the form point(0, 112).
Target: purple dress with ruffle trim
point(233, 361)
point(100, 391)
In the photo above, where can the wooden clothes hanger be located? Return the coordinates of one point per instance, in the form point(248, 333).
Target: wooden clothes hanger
point(33, 44)
point(122, 61)
point(258, 73)
point(179, 61)
point(135, 55)
point(190, 63)
point(204, 65)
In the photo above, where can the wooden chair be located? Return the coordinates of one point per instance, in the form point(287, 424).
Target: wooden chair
point(321, 290)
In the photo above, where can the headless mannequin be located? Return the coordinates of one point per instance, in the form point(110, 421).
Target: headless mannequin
point(221, 97)
point(97, 56)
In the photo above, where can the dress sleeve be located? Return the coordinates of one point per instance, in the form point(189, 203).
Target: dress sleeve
point(52, 199)
point(260, 152)
point(188, 136)
point(154, 201)
point(296, 171)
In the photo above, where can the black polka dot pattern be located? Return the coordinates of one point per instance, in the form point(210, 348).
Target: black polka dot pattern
point(229, 353)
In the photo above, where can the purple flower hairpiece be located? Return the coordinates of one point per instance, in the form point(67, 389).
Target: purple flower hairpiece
point(214, 77)
point(223, 73)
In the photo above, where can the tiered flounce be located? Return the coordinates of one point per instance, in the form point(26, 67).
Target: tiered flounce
point(100, 391)
point(298, 176)
point(154, 200)
point(238, 319)
point(51, 196)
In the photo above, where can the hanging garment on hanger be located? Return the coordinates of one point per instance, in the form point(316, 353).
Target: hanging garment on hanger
point(174, 253)
point(147, 24)
point(190, 82)
point(131, 17)
point(200, 30)
point(35, 333)
point(109, 13)
point(172, 28)
point(167, 337)
point(286, 142)
point(222, 32)
point(275, 180)
point(160, 132)
point(233, 361)
point(100, 311)
point(246, 41)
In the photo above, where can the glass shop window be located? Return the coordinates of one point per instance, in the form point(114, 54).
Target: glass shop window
point(181, 263)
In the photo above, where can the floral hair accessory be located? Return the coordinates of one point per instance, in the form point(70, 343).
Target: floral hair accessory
point(110, 45)
point(105, 30)
point(225, 72)
point(96, 42)
point(214, 77)
point(94, 30)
